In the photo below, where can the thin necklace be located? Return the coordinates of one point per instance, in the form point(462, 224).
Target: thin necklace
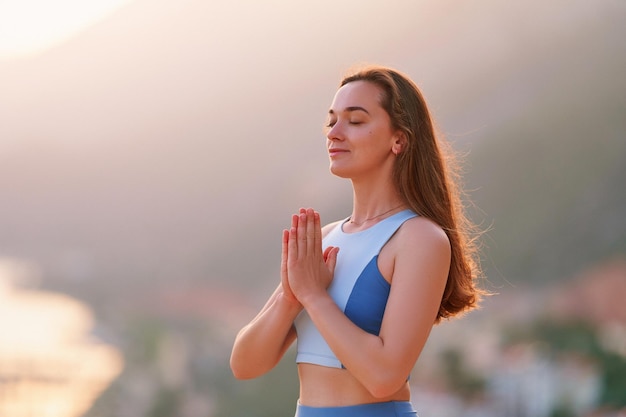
point(374, 217)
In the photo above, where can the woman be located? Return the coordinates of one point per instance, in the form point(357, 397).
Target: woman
point(361, 295)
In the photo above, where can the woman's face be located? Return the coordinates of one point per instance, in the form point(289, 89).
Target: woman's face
point(360, 139)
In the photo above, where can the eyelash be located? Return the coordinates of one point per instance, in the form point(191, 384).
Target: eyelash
point(331, 124)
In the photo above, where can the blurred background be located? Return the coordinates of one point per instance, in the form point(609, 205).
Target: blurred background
point(151, 151)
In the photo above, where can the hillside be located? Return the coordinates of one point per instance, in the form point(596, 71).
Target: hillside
point(551, 178)
point(148, 166)
point(168, 144)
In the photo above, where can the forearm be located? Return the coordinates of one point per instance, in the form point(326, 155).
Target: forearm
point(259, 345)
point(378, 367)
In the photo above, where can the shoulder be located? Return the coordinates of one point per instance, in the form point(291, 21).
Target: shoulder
point(419, 244)
point(418, 257)
point(423, 235)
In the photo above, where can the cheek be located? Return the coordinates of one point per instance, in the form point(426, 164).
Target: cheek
point(376, 140)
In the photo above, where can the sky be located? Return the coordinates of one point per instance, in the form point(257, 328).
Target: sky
point(151, 117)
point(28, 27)
point(143, 143)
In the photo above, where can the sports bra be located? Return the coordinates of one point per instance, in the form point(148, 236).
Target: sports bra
point(358, 288)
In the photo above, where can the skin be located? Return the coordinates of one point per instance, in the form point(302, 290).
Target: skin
point(362, 147)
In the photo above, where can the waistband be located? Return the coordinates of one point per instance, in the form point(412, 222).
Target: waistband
point(386, 409)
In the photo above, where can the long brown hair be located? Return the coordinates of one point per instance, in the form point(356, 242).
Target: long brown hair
point(426, 175)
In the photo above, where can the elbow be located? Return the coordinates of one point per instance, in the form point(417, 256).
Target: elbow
point(236, 370)
point(241, 364)
point(383, 391)
point(239, 371)
point(239, 368)
point(386, 386)
point(241, 375)
point(246, 369)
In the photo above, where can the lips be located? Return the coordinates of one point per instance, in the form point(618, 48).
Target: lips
point(336, 151)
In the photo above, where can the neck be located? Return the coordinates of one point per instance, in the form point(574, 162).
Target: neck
point(374, 202)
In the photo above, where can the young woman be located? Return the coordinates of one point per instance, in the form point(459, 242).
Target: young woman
point(362, 294)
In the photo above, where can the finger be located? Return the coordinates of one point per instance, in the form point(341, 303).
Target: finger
point(330, 257)
point(318, 233)
point(327, 252)
point(283, 257)
point(302, 243)
point(292, 245)
point(310, 232)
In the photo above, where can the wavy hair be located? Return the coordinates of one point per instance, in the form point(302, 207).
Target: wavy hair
point(426, 175)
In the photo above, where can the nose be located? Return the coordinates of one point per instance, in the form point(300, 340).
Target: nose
point(334, 132)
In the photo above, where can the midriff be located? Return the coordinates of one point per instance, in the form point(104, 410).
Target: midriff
point(322, 386)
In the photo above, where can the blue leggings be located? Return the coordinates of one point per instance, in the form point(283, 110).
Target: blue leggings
point(386, 409)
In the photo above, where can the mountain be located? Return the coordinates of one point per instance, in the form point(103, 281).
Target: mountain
point(551, 178)
point(169, 143)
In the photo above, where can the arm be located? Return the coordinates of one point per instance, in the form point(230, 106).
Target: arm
point(262, 343)
point(421, 253)
point(259, 345)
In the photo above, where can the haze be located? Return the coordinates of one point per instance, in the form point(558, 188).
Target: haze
point(157, 145)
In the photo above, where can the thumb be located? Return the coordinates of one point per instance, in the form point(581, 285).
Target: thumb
point(330, 258)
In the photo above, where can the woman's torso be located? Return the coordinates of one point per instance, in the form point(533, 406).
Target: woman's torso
point(322, 386)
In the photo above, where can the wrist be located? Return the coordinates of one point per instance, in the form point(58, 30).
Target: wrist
point(314, 299)
point(290, 303)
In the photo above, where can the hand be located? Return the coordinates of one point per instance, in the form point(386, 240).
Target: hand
point(284, 281)
point(309, 271)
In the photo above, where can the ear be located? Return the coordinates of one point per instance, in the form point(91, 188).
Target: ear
point(399, 143)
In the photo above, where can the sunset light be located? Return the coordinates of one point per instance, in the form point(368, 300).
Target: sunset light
point(153, 151)
point(28, 27)
point(50, 363)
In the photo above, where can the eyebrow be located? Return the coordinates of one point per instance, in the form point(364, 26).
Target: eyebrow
point(350, 109)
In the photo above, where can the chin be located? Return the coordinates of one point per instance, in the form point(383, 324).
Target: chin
point(339, 172)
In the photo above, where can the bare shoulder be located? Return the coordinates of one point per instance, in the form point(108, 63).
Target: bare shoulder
point(417, 258)
point(330, 226)
point(422, 235)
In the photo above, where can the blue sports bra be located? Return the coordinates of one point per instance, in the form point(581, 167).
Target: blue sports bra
point(358, 287)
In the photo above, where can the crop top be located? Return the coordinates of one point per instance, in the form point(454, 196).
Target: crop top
point(358, 287)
